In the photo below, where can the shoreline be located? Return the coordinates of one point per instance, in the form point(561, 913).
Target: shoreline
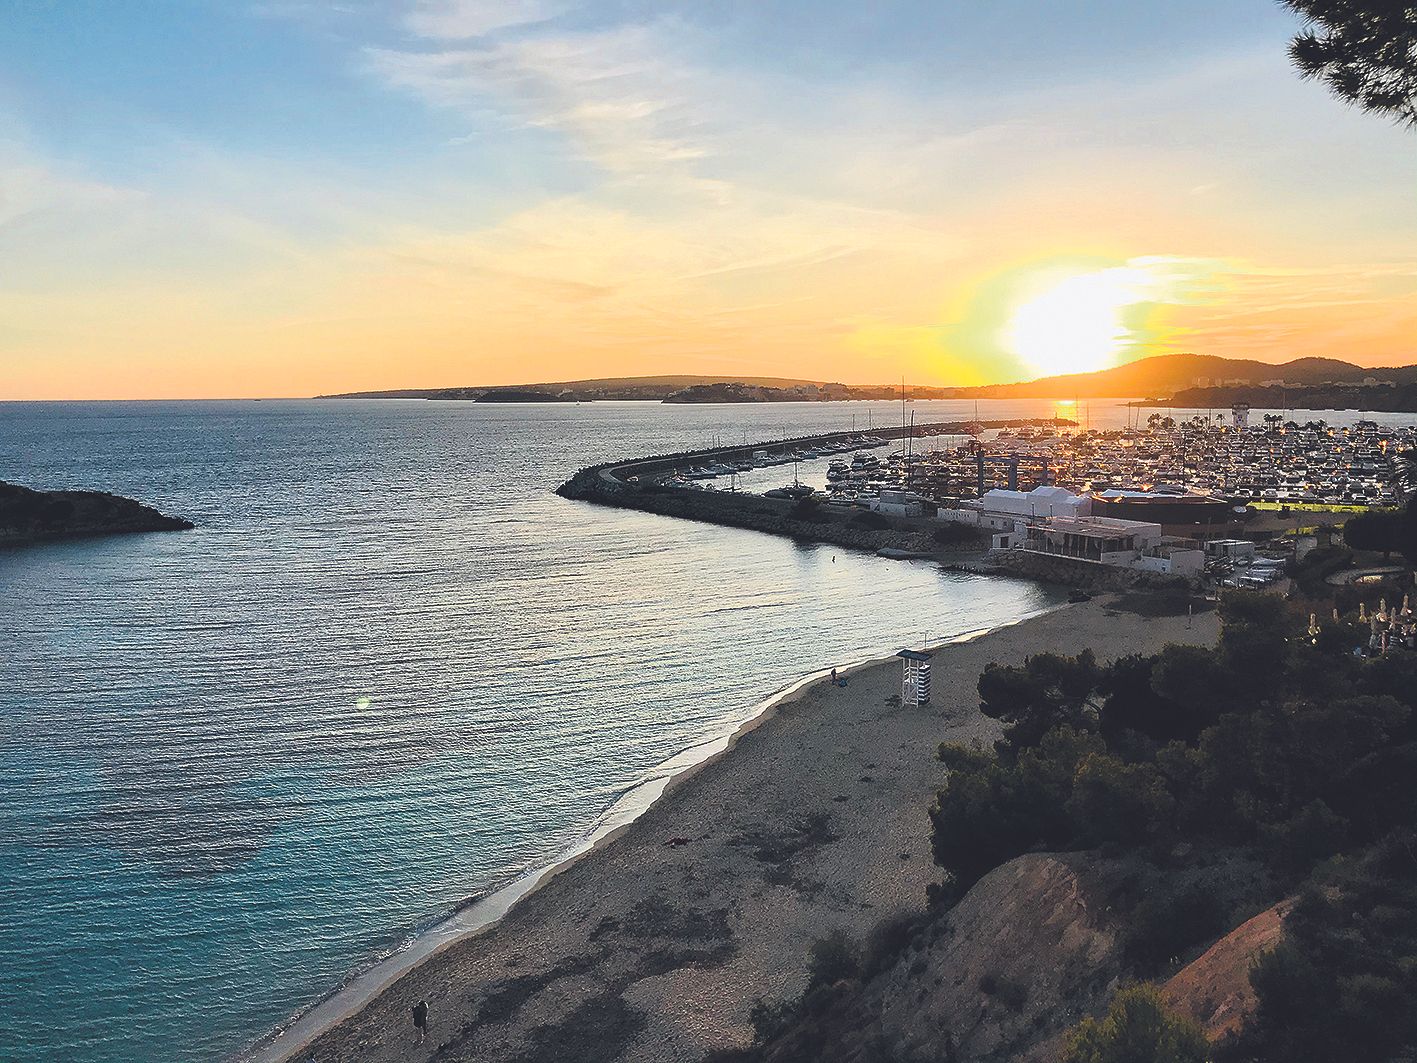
point(655, 947)
point(482, 913)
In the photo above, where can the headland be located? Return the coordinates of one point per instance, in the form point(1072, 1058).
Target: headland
point(29, 516)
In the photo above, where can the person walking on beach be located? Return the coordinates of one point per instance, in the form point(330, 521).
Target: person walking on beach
point(833, 677)
point(420, 1020)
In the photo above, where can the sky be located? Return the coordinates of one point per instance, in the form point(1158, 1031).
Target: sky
point(297, 197)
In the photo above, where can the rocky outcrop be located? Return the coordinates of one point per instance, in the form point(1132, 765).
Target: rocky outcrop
point(1034, 947)
point(27, 515)
point(1214, 990)
point(1023, 956)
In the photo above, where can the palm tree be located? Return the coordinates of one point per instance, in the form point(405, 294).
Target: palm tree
point(1406, 463)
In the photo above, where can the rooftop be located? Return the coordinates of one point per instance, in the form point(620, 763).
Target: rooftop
point(1101, 526)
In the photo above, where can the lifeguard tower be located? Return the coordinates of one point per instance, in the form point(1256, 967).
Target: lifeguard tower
point(915, 677)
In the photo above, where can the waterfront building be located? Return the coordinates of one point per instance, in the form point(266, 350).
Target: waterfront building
point(898, 503)
point(1120, 543)
point(1180, 512)
point(1003, 510)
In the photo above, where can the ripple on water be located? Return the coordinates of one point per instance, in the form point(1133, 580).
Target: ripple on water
point(389, 671)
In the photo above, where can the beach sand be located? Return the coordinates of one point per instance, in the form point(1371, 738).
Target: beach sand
point(814, 819)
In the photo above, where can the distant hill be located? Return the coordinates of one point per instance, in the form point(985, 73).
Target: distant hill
point(1165, 375)
point(639, 387)
point(1161, 378)
point(678, 389)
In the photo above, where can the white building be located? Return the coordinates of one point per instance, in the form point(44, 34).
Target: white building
point(1109, 541)
point(898, 503)
point(1231, 548)
point(1013, 511)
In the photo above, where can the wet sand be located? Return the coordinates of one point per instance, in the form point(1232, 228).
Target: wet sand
point(656, 944)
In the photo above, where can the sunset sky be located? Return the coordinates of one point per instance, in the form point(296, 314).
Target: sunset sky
point(293, 197)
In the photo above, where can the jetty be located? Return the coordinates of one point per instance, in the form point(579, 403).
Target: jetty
point(658, 484)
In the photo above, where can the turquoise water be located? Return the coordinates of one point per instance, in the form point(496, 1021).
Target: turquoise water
point(389, 671)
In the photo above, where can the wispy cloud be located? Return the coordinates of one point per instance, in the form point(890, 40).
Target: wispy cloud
point(624, 97)
point(466, 19)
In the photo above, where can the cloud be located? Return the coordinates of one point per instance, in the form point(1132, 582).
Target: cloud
point(623, 97)
point(466, 19)
point(30, 189)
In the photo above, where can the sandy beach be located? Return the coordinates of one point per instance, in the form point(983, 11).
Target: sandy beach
point(655, 946)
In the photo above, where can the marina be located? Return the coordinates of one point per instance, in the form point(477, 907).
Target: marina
point(1271, 463)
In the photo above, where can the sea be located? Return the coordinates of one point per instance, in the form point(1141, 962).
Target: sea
point(388, 673)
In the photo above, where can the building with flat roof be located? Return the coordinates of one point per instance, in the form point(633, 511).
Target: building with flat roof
point(1180, 512)
point(1002, 510)
point(1111, 541)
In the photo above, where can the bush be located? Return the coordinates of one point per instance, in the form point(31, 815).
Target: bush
point(769, 1020)
point(952, 533)
point(989, 811)
point(1341, 984)
point(1162, 927)
point(1374, 530)
point(887, 940)
point(1011, 994)
point(1137, 1029)
point(809, 510)
point(871, 519)
point(833, 958)
point(1050, 690)
point(1300, 842)
point(1280, 755)
point(1119, 803)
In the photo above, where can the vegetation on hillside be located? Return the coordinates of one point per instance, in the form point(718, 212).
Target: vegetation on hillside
point(1136, 1028)
point(1286, 749)
point(1214, 782)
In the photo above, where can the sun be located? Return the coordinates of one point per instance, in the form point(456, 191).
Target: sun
point(1078, 324)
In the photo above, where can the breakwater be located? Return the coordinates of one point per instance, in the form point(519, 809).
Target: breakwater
point(635, 484)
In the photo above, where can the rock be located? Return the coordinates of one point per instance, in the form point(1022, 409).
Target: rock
point(1214, 990)
point(1021, 957)
point(27, 515)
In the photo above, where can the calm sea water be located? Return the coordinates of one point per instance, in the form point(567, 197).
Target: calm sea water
point(389, 671)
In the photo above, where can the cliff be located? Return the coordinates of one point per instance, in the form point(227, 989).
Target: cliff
point(27, 515)
point(1032, 948)
point(1214, 990)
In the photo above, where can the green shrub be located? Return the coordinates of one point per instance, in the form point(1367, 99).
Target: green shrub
point(1341, 983)
point(1137, 1029)
point(769, 1020)
point(808, 510)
